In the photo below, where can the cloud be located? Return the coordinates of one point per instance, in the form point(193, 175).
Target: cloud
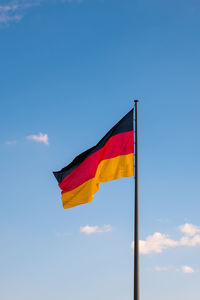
point(190, 242)
point(184, 269)
point(165, 269)
point(41, 138)
point(95, 229)
point(159, 269)
point(187, 269)
point(189, 229)
point(11, 142)
point(158, 242)
point(14, 10)
point(162, 220)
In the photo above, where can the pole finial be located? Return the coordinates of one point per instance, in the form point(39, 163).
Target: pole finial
point(136, 100)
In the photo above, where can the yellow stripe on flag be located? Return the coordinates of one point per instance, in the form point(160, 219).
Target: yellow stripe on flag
point(109, 169)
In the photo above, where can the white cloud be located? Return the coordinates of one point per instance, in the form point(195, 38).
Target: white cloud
point(155, 243)
point(41, 138)
point(187, 269)
point(14, 10)
point(95, 229)
point(190, 241)
point(158, 242)
point(189, 229)
point(184, 269)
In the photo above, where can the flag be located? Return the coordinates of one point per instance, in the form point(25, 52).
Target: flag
point(110, 159)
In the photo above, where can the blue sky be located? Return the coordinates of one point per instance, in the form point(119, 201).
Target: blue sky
point(69, 70)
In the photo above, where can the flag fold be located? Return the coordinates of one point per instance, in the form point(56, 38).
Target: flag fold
point(110, 159)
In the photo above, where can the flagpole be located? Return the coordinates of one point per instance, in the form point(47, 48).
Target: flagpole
point(136, 219)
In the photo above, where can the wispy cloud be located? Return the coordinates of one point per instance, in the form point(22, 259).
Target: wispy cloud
point(166, 269)
point(158, 242)
point(41, 138)
point(184, 269)
point(14, 10)
point(162, 220)
point(95, 229)
point(187, 269)
point(11, 142)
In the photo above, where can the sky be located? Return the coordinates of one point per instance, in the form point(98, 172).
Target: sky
point(69, 70)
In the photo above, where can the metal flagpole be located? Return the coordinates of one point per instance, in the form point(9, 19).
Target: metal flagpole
point(136, 221)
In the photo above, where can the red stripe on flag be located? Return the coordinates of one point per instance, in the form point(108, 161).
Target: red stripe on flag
point(119, 144)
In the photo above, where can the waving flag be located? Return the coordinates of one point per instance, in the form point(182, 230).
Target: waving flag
point(111, 158)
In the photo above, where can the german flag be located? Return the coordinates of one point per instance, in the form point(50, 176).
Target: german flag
point(111, 158)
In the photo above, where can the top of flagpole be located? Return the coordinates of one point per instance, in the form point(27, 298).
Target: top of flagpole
point(136, 100)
